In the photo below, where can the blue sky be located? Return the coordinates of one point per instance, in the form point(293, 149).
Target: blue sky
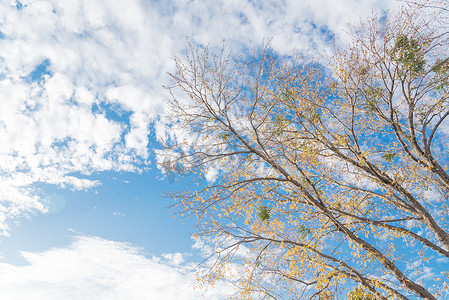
point(81, 211)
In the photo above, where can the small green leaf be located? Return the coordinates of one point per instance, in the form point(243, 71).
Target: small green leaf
point(388, 156)
point(263, 213)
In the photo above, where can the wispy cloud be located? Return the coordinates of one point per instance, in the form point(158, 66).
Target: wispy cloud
point(94, 268)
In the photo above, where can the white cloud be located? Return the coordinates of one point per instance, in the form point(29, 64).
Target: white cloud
point(210, 175)
point(80, 81)
point(175, 258)
point(442, 260)
point(94, 268)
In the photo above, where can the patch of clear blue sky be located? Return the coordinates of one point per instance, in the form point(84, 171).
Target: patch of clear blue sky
point(19, 5)
point(40, 71)
point(127, 207)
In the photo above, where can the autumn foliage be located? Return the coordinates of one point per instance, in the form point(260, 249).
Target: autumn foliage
point(324, 181)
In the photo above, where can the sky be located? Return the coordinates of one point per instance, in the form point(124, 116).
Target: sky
point(82, 212)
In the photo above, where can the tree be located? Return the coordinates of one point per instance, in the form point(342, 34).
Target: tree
point(324, 182)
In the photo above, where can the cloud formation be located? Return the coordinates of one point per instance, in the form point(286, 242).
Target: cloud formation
point(80, 81)
point(94, 268)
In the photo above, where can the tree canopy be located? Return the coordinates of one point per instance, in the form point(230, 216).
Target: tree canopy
point(324, 181)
